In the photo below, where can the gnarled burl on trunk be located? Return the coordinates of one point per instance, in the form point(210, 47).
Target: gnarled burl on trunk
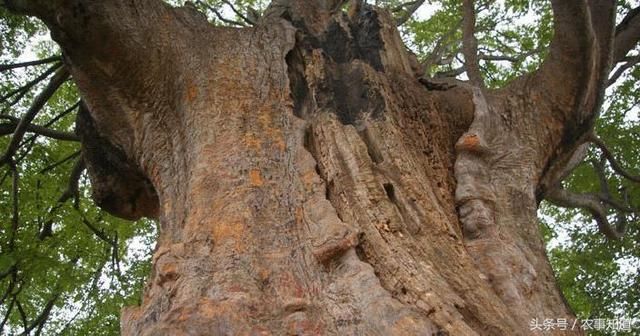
point(307, 183)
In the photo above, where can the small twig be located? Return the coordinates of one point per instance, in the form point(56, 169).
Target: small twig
point(93, 288)
point(98, 233)
point(61, 162)
point(25, 88)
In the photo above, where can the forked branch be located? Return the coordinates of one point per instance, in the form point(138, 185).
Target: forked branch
point(615, 165)
point(592, 203)
point(38, 103)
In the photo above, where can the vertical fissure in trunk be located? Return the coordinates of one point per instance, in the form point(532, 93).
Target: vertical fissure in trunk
point(307, 182)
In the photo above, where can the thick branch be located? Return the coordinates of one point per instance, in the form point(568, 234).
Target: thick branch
point(570, 74)
point(591, 203)
point(451, 73)
point(407, 9)
point(470, 43)
point(630, 62)
point(627, 34)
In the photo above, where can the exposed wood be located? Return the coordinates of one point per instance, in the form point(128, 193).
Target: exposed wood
point(307, 182)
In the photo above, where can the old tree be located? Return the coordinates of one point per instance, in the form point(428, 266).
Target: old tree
point(309, 174)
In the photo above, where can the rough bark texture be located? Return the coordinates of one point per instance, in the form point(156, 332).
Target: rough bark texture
point(307, 183)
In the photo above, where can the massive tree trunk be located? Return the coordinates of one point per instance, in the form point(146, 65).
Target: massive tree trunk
point(307, 182)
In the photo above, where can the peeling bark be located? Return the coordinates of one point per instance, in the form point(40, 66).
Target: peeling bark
point(307, 182)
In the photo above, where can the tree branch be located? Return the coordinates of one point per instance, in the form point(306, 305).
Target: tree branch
point(470, 43)
point(239, 14)
point(591, 203)
point(72, 184)
point(43, 316)
point(61, 162)
point(572, 69)
point(451, 73)
point(4, 67)
point(612, 160)
point(627, 34)
point(10, 127)
point(219, 15)
point(70, 192)
point(7, 314)
point(629, 63)
point(21, 91)
point(23, 316)
point(605, 194)
point(407, 9)
point(58, 78)
point(98, 233)
point(441, 47)
point(513, 59)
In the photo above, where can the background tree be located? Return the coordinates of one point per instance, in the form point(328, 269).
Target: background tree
point(67, 267)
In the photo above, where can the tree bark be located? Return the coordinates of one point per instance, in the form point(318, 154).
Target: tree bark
point(307, 183)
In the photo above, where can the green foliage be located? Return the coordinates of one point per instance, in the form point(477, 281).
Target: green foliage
point(15, 32)
point(92, 278)
point(89, 278)
point(601, 278)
